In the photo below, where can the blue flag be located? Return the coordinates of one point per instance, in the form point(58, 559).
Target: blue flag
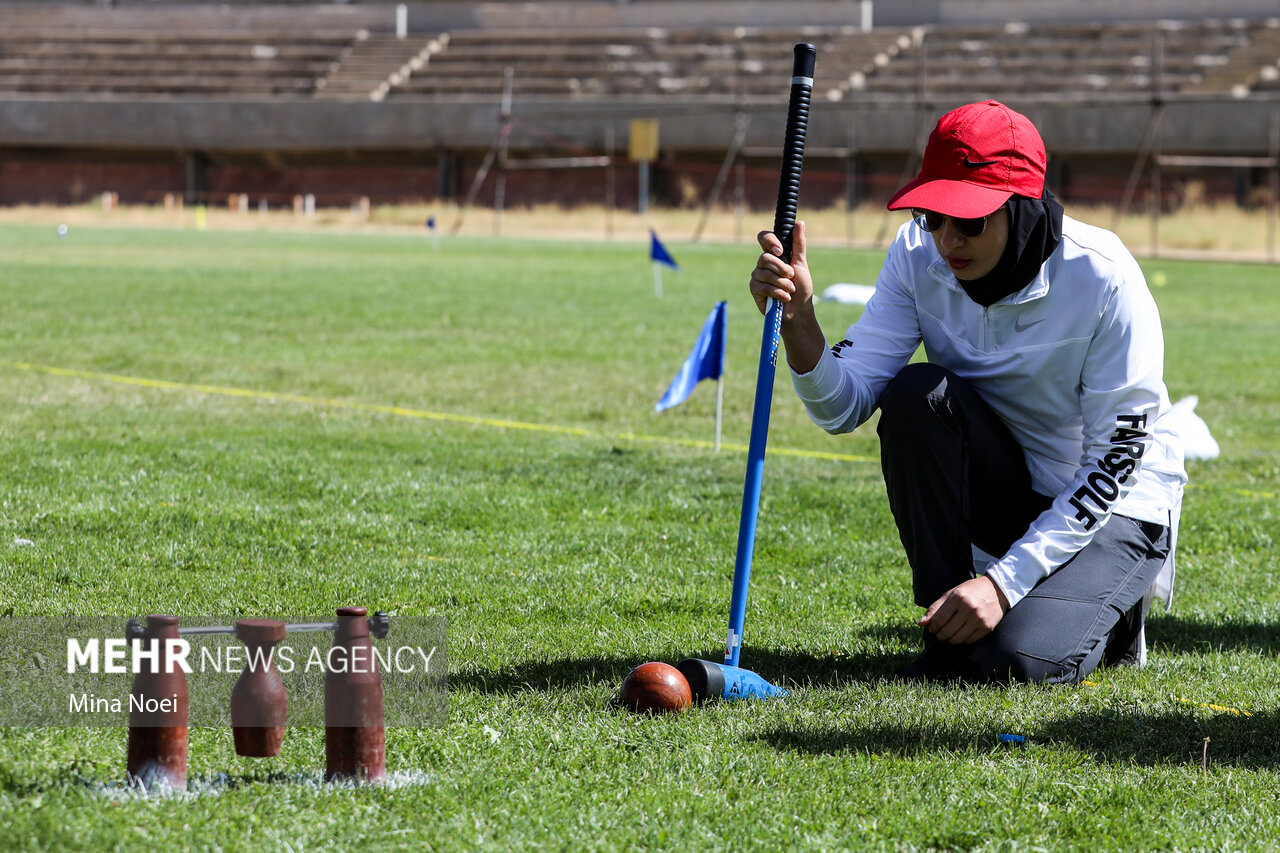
point(705, 362)
point(658, 253)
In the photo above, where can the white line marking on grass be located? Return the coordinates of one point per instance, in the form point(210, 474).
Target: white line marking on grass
point(400, 411)
point(213, 786)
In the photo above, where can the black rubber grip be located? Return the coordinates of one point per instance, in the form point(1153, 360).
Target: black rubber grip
point(784, 218)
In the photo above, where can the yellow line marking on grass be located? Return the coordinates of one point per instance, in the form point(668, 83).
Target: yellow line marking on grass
point(1266, 496)
point(1213, 707)
point(1248, 493)
point(400, 411)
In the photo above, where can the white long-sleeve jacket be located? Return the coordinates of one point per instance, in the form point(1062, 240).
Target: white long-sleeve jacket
point(1073, 363)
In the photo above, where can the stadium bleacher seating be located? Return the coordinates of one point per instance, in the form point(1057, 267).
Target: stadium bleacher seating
point(1251, 66)
point(740, 61)
point(375, 63)
point(1088, 60)
point(168, 63)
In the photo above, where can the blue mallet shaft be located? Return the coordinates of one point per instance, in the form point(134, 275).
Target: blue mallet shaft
point(784, 221)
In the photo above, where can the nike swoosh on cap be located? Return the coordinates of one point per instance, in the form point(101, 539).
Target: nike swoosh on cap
point(979, 164)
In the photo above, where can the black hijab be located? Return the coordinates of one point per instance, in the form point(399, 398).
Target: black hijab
point(1035, 230)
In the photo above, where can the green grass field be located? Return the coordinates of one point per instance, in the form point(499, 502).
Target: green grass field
point(278, 424)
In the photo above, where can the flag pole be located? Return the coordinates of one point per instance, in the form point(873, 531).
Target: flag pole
point(657, 279)
point(719, 405)
point(724, 342)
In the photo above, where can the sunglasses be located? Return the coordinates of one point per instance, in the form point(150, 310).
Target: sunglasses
point(931, 221)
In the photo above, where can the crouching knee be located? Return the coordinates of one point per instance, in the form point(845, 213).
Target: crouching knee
point(1005, 657)
point(914, 385)
point(915, 403)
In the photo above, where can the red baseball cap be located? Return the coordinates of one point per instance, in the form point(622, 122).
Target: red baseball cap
point(977, 157)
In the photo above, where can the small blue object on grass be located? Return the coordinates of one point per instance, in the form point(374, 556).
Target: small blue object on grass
point(1012, 738)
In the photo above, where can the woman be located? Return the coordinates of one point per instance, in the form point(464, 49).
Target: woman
point(1035, 486)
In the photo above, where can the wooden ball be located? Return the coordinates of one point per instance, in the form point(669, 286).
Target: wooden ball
point(655, 688)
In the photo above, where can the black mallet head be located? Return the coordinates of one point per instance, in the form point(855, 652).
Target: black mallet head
point(710, 680)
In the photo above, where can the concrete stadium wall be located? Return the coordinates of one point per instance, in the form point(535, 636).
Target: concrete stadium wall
point(1222, 127)
point(77, 177)
point(70, 151)
point(70, 178)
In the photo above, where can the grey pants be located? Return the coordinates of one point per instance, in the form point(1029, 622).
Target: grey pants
point(956, 477)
